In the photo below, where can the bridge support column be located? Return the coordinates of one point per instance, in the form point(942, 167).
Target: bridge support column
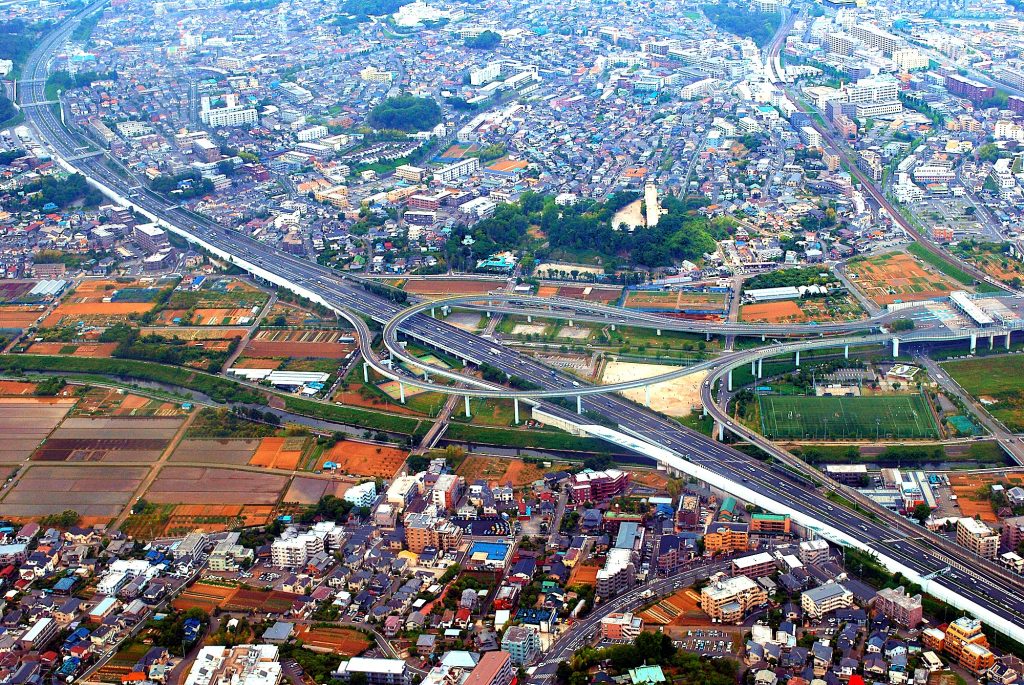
point(760, 367)
point(895, 347)
point(515, 407)
point(570, 325)
point(846, 351)
point(468, 415)
point(579, 404)
point(529, 319)
point(401, 393)
point(704, 411)
point(366, 372)
point(1007, 339)
point(992, 341)
point(721, 432)
point(647, 395)
point(613, 327)
point(763, 337)
point(974, 343)
point(657, 331)
point(798, 357)
point(753, 368)
point(433, 314)
point(728, 385)
point(707, 336)
point(488, 315)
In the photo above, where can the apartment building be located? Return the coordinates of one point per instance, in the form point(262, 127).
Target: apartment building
point(621, 626)
point(977, 537)
point(728, 600)
point(249, 664)
point(963, 641)
point(770, 524)
point(726, 536)
point(522, 644)
point(494, 668)
point(618, 573)
point(823, 599)
point(376, 671)
point(426, 529)
point(899, 607)
point(593, 486)
point(754, 565)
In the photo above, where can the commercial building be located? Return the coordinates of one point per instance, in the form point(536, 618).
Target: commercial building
point(377, 671)
point(823, 599)
point(977, 537)
point(244, 664)
point(728, 600)
point(494, 668)
point(522, 644)
point(754, 565)
point(873, 89)
point(593, 486)
point(621, 626)
point(899, 607)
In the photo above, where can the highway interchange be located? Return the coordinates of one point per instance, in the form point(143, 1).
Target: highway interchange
point(962, 580)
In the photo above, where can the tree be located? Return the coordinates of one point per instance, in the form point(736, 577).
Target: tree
point(921, 512)
point(406, 113)
point(488, 40)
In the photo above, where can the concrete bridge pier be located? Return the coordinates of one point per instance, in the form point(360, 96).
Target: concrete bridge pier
point(657, 331)
point(401, 392)
point(488, 315)
point(647, 395)
point(707, 336)
point(433, 314)
point(798, 357)
point(760, 367)
point(570, 325)
point(846, 351)
point(729, 382)
point(763, 337)
point(721, 432)
point(515, 408)
point(895, 348)
point(579, 404)
point(613, 327)
point(1007, 339)
point(468, 415)
point(974, 343)
point(366, 372)
point(529, 319)
point(753, 368)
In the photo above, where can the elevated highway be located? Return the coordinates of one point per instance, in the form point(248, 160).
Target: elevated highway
point(990, 596)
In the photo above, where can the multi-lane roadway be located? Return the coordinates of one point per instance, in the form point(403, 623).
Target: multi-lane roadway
point(995, 598)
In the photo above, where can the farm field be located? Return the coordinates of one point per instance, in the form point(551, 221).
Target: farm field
point(16, 388)
point(212, 316)
point(303, 343)
point(590, 293)
point(216, 452)
point(997, 382)
point(499, 470)
point(110, 402)
point(344, 641)
point(304, 490)
point(18, 316)
point(95, 492)
point(100, 302)
point(676, 397)
point(13, 291)
point(211, 485)
point(441, 287)
point(676, 301)
point(364, 459)
point(898, 277)
point(95, 350)
point(279, 453)
point(682, 608)
point(839, 308)
point(847, 418)
point(26, 421)
point(109, 439)
point(192, 334)
point(972, 495)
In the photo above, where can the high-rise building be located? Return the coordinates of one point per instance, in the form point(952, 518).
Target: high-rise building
point(977, 537)
point(593, 486)
point(899, 607)
point(966, 88)
point(231, 114)
point(823, 599)
point(494, 668)
point(427, 529)
point(730, 599)
point(618, 573)
point(522, 644)
point(876, 38)
point(621, 626)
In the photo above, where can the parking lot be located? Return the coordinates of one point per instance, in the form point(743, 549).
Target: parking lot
point(708, 642)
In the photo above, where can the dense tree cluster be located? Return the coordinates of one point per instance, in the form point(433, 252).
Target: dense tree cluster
point(782, 278)
point(17, 38)
point(406, 113)
point(371, 8)
point(63, 192)
point(66, 81)
point(744, 22)
point(185, 185)
point(7, 112)
point(488, 40)
point(652, 649)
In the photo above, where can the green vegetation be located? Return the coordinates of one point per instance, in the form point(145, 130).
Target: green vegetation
point(406, 113)
point(983, 452)
point(185, 185)
point(170, 631)
point(64, 81)
point(899, 325)
point(156, 348)
point(17, 38)
point(63, 192)
point(946, 267)
point(999, 379)
point(758, 26)
point(650, 649)
point(218, 389)
point(221, 423)
point(8, 113)
point(349, 415)
point(846, 418)
point(539, 439)
point(50, 387)
point(371, 8)
point(65, 519)
point(83, 31)
point(488, 40)
point(790, 277)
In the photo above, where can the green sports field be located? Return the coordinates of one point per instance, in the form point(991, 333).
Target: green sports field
point(802, 417)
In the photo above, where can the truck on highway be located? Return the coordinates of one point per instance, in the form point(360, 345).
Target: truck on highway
point(495, 351)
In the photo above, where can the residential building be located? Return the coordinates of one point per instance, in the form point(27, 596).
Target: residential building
point(618, 573)
point(621, 626)
point(447, 491)
point(362, 495)
point(377, 671)
point(522, 644)
point(754, 565)
point(814, 551)
point(494, 668)
point(770, 524)
point(150, 237)
point(426, 529)
point(231, 114)
point(899, 607)
point(977, 537)
point(826, 598)
point(593, 486)
point(244, 664)
point(728, 600)
point(725, 536)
